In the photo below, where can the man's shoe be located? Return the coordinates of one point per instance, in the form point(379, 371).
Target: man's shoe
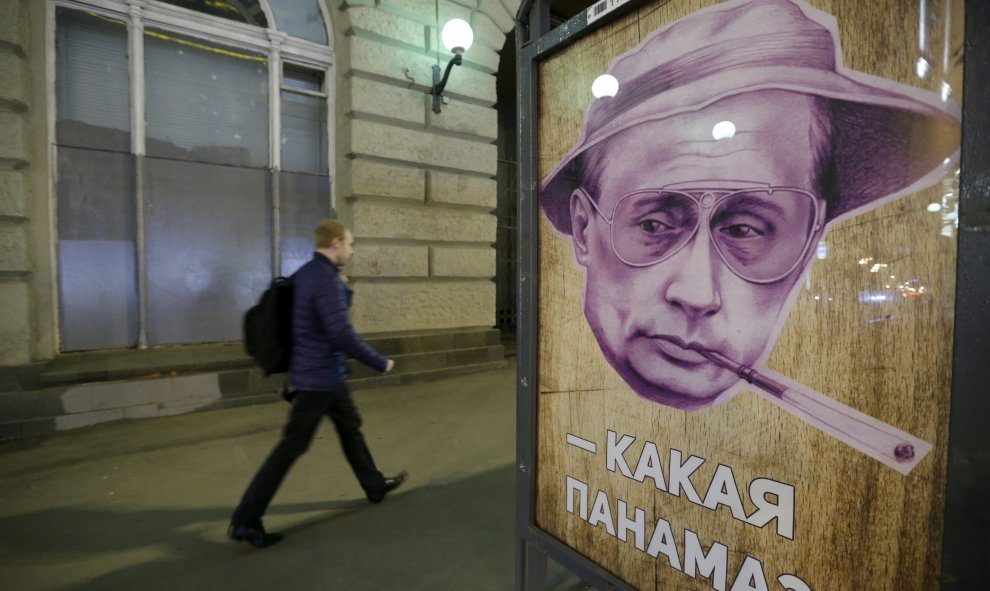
point(256, 536)
point(391, 484)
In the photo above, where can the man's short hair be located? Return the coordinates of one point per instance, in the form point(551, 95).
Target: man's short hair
point(327, 232)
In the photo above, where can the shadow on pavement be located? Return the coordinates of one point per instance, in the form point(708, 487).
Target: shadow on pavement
point(453, 536)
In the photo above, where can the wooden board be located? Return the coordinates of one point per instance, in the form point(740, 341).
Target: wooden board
point(857, 523)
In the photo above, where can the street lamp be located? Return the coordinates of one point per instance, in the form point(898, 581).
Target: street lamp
point(457, 37)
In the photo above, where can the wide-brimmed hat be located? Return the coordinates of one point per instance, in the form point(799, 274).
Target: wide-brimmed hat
point(888, 139)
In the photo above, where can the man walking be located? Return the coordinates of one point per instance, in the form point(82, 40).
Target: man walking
point(322, 340)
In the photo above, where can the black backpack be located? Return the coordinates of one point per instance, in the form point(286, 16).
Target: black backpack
point(268, 328)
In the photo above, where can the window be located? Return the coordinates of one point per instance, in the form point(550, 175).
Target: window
point(245, 11)
point(192, 165)
point(303, 182)
point(301, 18)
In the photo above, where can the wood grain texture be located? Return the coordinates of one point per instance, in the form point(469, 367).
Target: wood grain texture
point(858, 524)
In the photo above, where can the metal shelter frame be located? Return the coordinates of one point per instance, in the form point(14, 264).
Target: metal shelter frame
point(966, 538)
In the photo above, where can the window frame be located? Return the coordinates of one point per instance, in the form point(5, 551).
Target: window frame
point(279, 48)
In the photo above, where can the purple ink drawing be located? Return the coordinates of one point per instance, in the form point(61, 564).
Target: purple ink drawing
point(691, 246)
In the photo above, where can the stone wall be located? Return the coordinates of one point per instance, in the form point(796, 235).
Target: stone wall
point(15, 266)
point(417, 187)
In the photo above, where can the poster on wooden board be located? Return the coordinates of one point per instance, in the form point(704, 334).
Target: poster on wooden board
point(747, 265)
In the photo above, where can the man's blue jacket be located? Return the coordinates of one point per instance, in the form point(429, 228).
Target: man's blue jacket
point(322, 335)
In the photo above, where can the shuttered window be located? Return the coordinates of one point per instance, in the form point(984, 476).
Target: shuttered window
point(170, 225)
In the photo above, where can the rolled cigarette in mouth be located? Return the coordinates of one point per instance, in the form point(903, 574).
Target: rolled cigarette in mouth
point(895, 448)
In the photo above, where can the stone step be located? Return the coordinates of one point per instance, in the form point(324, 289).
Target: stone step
point(401, 343)
point(411, 377)
point(430, 360)
point(81, 389)
point(109, 365)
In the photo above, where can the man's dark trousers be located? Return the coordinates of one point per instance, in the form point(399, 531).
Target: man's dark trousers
point(308, 407)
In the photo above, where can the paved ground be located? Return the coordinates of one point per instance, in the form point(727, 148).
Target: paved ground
point(143, 505)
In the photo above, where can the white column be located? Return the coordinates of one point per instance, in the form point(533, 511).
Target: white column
point(275, 141)
point(135, 43)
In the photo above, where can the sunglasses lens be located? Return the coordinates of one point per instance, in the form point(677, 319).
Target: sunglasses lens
point(649, 226)
point(763, 234)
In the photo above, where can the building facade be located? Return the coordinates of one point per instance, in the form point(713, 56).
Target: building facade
point(160, 161)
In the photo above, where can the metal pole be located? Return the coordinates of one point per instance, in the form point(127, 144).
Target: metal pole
point(966, 541)
point(530, 561)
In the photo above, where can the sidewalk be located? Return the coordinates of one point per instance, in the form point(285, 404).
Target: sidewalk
point(143, 505)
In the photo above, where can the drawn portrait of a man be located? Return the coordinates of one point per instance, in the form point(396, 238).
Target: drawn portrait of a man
point(692, 243)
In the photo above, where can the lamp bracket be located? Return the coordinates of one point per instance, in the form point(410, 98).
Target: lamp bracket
point(440, 83)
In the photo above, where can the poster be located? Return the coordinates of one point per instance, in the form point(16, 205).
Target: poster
point(747, 263)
